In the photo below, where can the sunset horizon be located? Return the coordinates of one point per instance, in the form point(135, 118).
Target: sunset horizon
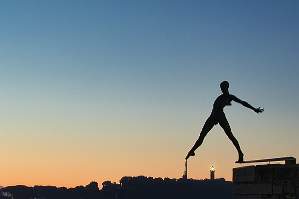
point(98, 90)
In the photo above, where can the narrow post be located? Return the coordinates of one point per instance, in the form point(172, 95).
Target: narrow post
point(185, 175)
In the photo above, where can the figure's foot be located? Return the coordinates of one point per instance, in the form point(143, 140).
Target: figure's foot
point(191, 153)
point(241, 158)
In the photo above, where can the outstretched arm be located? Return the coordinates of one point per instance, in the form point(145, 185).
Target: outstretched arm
point(257, 110)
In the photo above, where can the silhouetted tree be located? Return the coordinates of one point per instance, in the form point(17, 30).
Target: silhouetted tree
point(93, 186)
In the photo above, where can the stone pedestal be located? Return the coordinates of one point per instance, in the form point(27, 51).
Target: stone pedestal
point(275, 181)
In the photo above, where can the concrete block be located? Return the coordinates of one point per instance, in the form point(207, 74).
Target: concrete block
point(277, 189)
point(253, 189)
point(285, 173)
point(274, 197)
point(244, 174)
point(248, 197)
point(257, 197)
point(272, 181)
point(264, 173)
point(289, 188)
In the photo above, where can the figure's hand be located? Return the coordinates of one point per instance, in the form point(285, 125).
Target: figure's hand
point(259, 110)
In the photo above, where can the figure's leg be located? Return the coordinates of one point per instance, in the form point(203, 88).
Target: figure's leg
point(226, 127)
point(205, 129)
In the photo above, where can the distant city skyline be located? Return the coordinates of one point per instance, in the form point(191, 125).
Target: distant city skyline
point(128, 187)
point(97, 90)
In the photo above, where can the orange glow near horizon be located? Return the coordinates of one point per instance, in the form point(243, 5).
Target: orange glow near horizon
point(98, 90)
point(79, 161)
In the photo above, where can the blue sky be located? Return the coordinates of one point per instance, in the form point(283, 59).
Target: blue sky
point(119, 73)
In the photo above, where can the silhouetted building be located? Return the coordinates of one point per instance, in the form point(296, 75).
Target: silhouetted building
point(158, 188)
point(129, 188)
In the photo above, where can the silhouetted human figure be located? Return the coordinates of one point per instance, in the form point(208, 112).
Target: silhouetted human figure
point(218, 116)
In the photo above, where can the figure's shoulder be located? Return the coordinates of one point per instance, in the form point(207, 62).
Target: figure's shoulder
point(231, 97)
point(222, 97)
point(226, 96)
point(219, 97)
point(234, 98)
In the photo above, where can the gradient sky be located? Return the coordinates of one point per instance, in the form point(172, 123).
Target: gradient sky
point(97, 90)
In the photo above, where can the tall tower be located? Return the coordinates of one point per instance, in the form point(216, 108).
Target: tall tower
point(212, 173)
point(185, 175)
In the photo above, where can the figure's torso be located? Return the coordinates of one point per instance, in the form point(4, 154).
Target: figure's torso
point(222, 101)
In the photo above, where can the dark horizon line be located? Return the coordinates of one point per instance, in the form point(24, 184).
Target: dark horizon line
point(119, 182)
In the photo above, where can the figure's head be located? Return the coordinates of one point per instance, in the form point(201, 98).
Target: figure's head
point(224, 86)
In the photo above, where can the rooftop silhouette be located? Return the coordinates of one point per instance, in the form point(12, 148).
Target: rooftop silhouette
point(128, 188)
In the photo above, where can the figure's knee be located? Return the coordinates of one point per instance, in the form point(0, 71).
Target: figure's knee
point(200, 139)
point(230, 135)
